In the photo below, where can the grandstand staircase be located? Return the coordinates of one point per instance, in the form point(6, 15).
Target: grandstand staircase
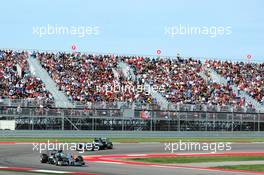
point(128, 72)
point(242, 94)
point(60, 98)
point(128, 111)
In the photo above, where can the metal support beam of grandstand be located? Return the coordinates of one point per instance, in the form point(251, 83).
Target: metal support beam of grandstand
point(71, 123)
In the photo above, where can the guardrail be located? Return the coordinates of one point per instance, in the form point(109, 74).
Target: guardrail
point(126, 134)
point(127, 105)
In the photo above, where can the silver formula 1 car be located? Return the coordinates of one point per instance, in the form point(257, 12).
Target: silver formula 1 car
point(57, 157)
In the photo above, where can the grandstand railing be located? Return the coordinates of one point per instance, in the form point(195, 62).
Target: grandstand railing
point(179, 117)
point(33, 103)
point(192, 112)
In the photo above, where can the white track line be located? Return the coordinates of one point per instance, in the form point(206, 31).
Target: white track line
point(50, 171)
point(132, 155)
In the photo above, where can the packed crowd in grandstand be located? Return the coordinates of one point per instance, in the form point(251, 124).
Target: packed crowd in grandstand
point(248, 77)
point(16, 81)
point(182, 81)
point(87, 78)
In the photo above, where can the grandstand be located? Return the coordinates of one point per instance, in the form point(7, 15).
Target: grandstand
point(58, 90)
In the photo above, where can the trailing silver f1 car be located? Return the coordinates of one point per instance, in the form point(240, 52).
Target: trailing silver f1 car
point(97, 144)
point(104, 143)
point(57, 157)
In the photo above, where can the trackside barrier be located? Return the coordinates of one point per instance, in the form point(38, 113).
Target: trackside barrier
point(126, 134)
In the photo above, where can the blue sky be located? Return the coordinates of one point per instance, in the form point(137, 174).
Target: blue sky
point(137, 26)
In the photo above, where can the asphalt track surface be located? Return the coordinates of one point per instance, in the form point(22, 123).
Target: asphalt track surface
point(22, 155)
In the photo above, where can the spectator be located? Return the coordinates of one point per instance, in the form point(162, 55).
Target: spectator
point(247, 76)
point(16, 80)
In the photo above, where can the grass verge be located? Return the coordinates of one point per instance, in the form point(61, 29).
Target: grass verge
point(256, 168)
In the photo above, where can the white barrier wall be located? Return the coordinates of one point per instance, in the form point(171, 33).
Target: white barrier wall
point(7, 124)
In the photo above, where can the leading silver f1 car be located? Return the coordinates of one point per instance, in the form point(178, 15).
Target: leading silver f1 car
point(57, 157)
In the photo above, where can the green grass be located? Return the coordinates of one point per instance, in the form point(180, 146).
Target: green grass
point(256, 168)
point(176, 139)
point(197, 159)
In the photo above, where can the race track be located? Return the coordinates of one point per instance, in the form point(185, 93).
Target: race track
point(22, 155)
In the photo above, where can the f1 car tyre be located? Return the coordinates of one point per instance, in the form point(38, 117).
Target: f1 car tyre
point(44, 158)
